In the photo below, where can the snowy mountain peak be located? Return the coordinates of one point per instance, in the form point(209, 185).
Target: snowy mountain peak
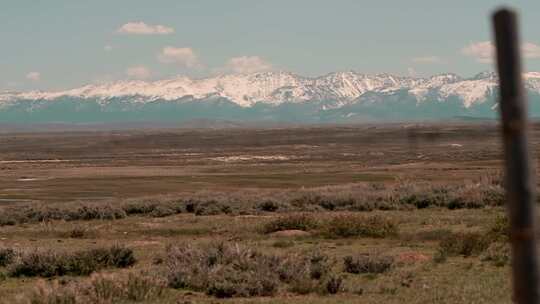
point(277, 87)
point(485, 75)
point(532, 75)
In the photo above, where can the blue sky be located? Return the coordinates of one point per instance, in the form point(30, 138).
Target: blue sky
point(59, 44)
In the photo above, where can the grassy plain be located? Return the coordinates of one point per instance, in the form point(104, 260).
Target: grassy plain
point(435, 184)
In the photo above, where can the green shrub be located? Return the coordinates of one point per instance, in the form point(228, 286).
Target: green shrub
point(77, 232)
point(494, 196)
point(499, 229)
point(139, 207)
point(498, 254)
point(268, 205)
point(6, 256)
point(425, 200)
point(44, 264)
point(229, 282)
point(311, 275)
point(319, 265)
point(153, 208)
point(465, 244)
point(303, 222)
point(367, 263)
point(7, 218)
point(306, 200)
point(362, 206)
point(306, 273)
point(403, 196)
point(163, 211)
point(333, 284)
point(190, 206)
point(115, 256)
point(72, 212)
point(49, 263)
point(212, 207)
point(345, 226)
point(464, 203)
point(477, 196)
point(223, 271)
point(336, 202)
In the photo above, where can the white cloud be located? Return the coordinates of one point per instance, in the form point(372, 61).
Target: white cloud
point(141, 28)
point(247, 64)
point(108, 48)
point(530, 50)
point(484, 51)
point(427, 59)
point(181, 56)
point(34, 76)
point(138, 72)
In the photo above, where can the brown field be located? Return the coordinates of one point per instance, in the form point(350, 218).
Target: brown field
point(325, 174)
point(105, 165)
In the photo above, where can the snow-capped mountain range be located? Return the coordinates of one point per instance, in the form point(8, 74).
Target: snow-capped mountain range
point(341, 96)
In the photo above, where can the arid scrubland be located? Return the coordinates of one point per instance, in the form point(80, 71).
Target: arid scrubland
point(317, 226)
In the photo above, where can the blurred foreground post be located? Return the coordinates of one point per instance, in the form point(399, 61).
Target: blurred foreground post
point(520, 185)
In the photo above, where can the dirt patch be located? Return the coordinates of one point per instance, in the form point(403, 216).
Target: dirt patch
point(412, 257)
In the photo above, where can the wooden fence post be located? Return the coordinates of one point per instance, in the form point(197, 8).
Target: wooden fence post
point(519, 180)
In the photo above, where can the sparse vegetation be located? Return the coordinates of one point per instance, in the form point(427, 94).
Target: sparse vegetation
point(346, 226)
point(362, 198)
point(224, 270)
point(368, 263)
point(303, 222)
point(32, 263)
point(499, 230)
point(269, 206)
point(221, 270)
point(6, 256)
point(476, 243)
point(498, 254)
point(73, 212)
point(197, 227)
point(464, 244)
point(100, 288)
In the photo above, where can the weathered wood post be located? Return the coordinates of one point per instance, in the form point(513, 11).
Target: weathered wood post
point(520, 184)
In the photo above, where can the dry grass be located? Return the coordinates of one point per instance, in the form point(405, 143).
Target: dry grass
point(361, 197)
point(368, 189)
point(99, 289)
point(208, 265)
point(346, 226)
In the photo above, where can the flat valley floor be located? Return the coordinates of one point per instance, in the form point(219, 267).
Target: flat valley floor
point(417, 207)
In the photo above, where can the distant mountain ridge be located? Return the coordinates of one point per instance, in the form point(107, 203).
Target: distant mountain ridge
point(269, 96)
